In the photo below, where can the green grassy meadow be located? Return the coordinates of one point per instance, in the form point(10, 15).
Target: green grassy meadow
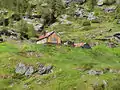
point(70, 67)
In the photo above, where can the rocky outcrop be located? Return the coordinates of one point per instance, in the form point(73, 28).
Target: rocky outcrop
point(117, 35)
point(20, 68)
point(38, 27)
point(109, 9)
point(79, 1)
point(80, 12)
point(28, 70)
point(44, 69)
point(91, 16)
point(63, 20)
point(9, 33)
point(95, 72)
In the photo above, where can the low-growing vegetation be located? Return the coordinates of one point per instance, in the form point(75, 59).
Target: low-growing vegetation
point(28, 63)
point(71, 66)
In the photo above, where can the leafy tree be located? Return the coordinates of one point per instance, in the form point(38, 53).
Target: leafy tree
point(50, 10)
point(25, 29)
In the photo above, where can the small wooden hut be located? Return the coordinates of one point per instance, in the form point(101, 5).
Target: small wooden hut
point(49, 37)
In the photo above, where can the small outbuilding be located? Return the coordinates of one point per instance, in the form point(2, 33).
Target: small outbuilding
point(82, 45)
point(50, 38)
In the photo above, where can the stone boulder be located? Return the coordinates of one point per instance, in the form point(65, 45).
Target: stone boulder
point(6, 35)
point(63, 20)
point(91, 16)
point(117, 35)
point(95, 72)
point(29, 71)
point(109, 9)
point(20, 68)
point(38, 27)
point(44, 69)
point(80, 13)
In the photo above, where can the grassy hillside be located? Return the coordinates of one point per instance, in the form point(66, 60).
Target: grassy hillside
point(70, 72)
point(23, 21)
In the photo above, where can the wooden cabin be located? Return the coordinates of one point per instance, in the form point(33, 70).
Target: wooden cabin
point(49, 37)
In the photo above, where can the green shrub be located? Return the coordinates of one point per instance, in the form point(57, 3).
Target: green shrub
point(24, 27)
point(95, 21)
point(86, 23)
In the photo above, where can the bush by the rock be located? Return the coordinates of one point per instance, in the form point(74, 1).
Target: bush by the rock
point(86, 23)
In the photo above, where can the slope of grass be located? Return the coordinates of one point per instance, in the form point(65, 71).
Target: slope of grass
point(69, 65)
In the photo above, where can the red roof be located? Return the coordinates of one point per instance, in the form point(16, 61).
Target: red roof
point(46, 35)
point(78, 44)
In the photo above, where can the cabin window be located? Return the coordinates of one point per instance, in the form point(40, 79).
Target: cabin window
point(54, 40)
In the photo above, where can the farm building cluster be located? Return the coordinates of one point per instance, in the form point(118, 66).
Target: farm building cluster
point(54, 38)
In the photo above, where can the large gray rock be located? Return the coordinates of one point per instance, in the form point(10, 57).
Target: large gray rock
point(95, 72)
point(49, 68)
point(38, 27)
point(91, 16)
point(20, 68)
point(80, 13)
point(110, 9)
point(44, 69)
point(117, 35)
point(29, 71)
point(63, 20)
